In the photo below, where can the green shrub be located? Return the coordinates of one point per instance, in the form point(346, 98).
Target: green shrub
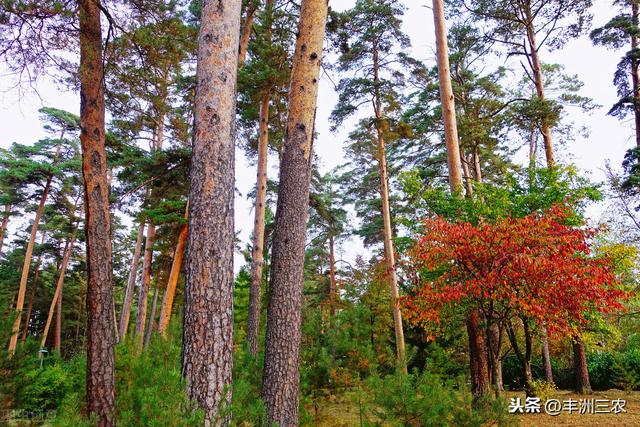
point(626, 369)
point(601, 374)
point(543, 389)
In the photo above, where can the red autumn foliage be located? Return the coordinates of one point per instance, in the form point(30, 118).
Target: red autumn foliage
point(535, 266)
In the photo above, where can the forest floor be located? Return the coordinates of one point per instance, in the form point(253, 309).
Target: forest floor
point(342, 411)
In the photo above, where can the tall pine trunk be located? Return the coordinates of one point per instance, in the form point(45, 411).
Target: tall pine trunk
point(581, 371)
point(538, 80)
point(389, 252)
point(125, 312)
point(208, 310)
point(477, 351)
point(100, 321)
point(152, 318)
point(281, 383)
point(174, 275)
point(245, 33)
point(257, 254)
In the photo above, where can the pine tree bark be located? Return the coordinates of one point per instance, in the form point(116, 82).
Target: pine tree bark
point(100, 332)
point(583, 385)
point(57, 296)
point(546, 356)
point(446, 98)
point(5, 223)
point(257, 253)
point(125, 312)
point(174, 275)
point(143, 294)
point(281, 383)
point(538, 80)
point(208, 313)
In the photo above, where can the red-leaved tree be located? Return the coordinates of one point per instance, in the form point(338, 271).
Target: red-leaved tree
point(516, 271)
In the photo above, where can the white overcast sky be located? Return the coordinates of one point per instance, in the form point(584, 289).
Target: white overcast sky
point(608, 139)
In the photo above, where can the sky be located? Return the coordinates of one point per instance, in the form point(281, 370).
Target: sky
point(608, 139)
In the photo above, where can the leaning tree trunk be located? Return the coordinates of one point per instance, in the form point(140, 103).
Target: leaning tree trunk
point(125, 312)
point(281, 384)
point(245, 33)
point(26, 266)
point(57, 296)
point(5, 223)
point(174, 275)
point(100, 321)
point(152, 318)
point(581, 371)
point(143, 294)
point(257, 254)
point(32, 294)
point(538, 80)
point(207, 356)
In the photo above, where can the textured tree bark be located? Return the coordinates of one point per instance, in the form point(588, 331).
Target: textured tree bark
point(172, 283)
point(26, 266)
point(57, 330)
point(152, 318)
point(143, 294)
point(100, 332)
point(257, 253)
point(494, 343)
point(57, 296)
point(468, 186)
point(546, 356)
point(125, 312)
point(538, 81)
point(32, 294)
point(478, 357)
point(208, 313)
point(446, 97)
point(476, 164)
point(5, 223)
point(583, 385)
point(245, 34)
point(281, 384)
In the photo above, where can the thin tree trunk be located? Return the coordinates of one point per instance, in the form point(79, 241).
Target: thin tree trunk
point(152, 318)
point(389, 252)
point(143, 294)
point(172, 283)
point(281, 383)
point(635, 78)
point(583, 385)
point(101, 342)
point(467, 173)
point(245, 34)
point(57, 296)
point(207, 356)
point(257, 254)
point(57, 330)
point(546, 356)
point(27, 264)
point(477, 170)
point(125, 312)
point(332, 282)
point(538, 80)
point(480, 385)
point(446, 97)
point(5, 223)
point(32, 294)
point(494, 343)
